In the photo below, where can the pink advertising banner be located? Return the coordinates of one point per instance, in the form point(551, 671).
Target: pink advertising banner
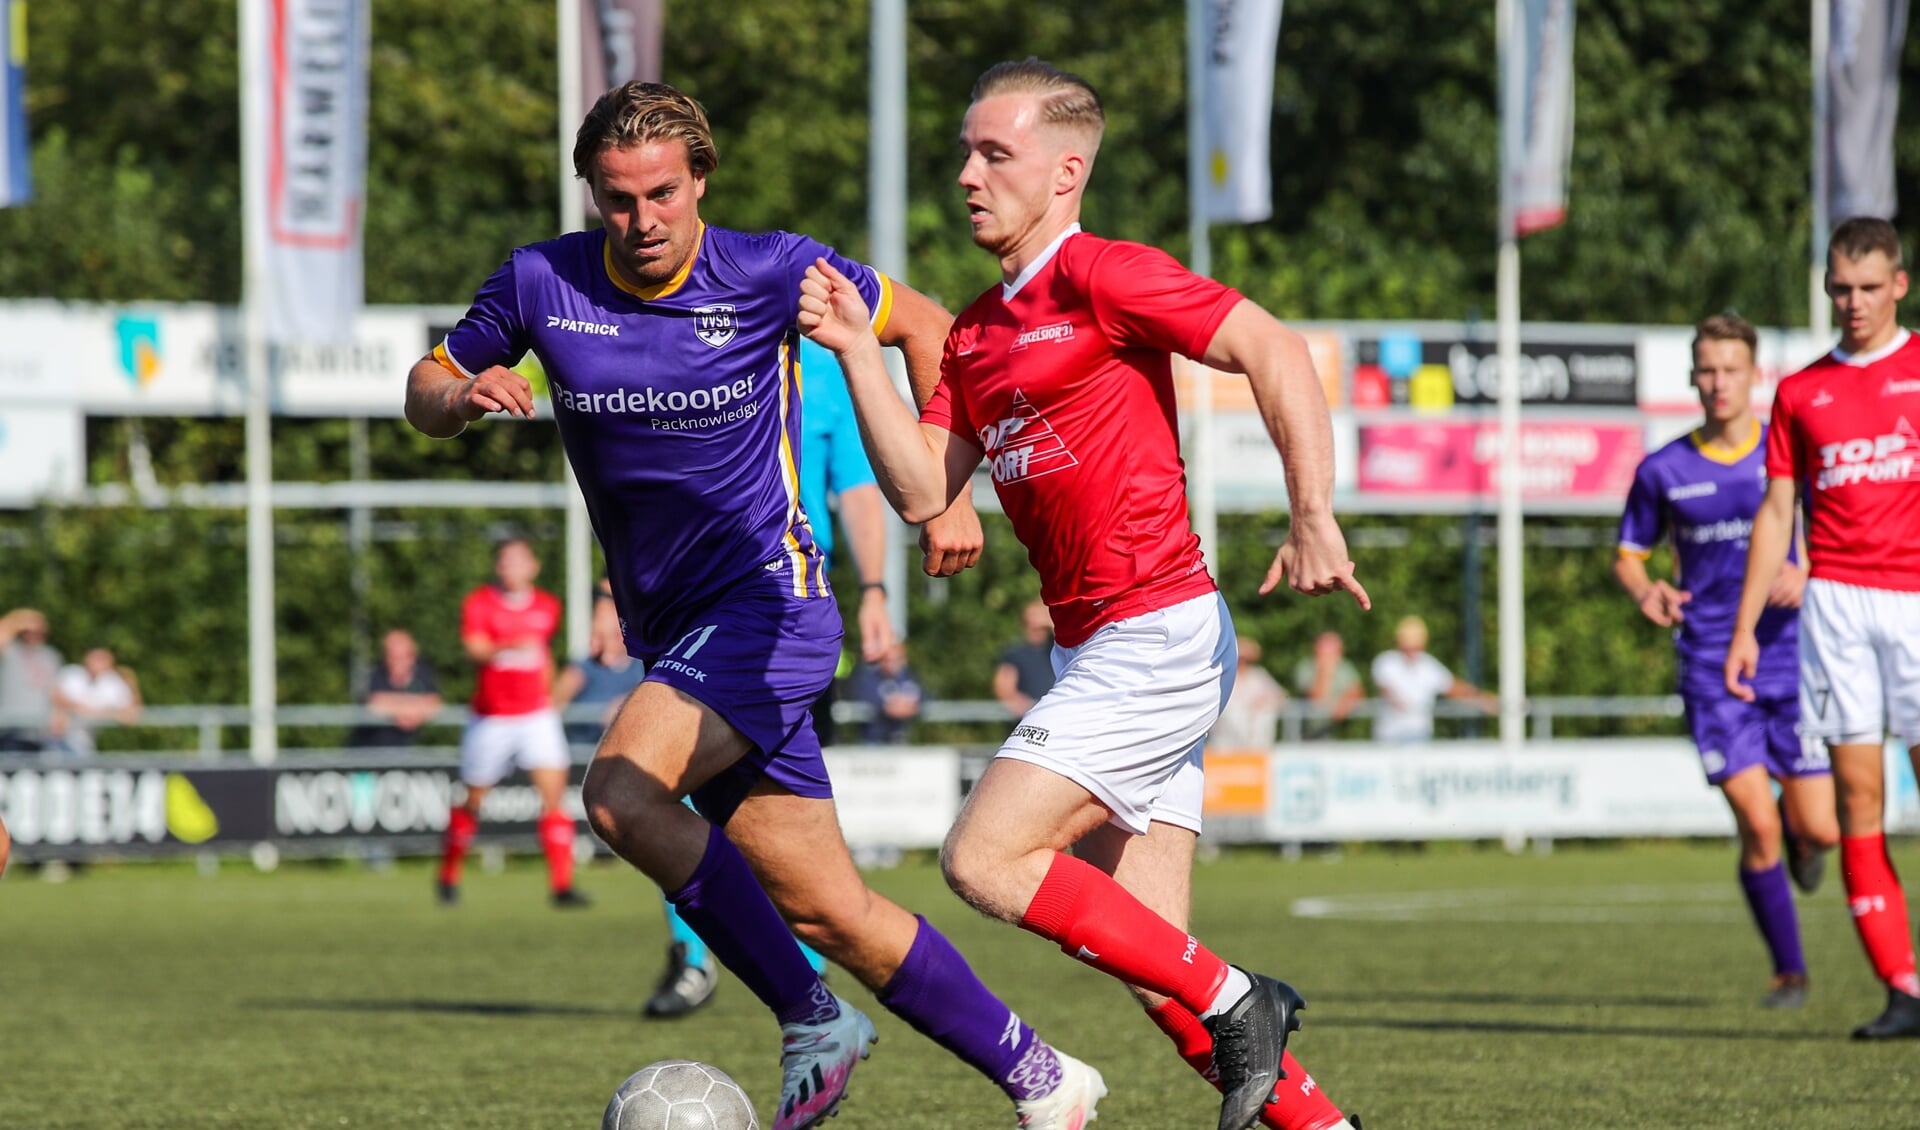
point(1558, 460)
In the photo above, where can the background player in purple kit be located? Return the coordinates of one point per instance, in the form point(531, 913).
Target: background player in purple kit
point(1702, 490)
point(670, 348)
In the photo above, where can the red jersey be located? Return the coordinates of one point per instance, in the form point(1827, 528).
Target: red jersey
point(1843, 427)
point(518, 677)
point(1067, 385)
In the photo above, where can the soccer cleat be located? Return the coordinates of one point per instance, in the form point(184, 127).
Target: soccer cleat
point(684, 987)
point(448, 894)
point(1901, 1018)
point(571, 899)
point(1248, 1040)
point(1071, 1105)
point(1789, 990)
point(1806, 865)
point(815, 1061)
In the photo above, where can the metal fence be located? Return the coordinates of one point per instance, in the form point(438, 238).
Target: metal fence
point(213, 723)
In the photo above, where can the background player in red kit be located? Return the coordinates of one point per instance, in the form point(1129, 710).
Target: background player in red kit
point(507, 629)
point(1061, 377)
point(1843, 442)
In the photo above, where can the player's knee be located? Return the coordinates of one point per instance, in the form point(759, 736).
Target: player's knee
point(968, 870)
point(616, 806)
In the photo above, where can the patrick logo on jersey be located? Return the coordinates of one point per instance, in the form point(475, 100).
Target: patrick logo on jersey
point(1023, 445)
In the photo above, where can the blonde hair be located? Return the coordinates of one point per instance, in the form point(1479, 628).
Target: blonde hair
point(1066, 99)
point(642, 113)
point(1726, 327)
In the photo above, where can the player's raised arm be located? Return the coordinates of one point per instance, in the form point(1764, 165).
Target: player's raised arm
point(1313, 559)
point(918, 326)
point(920, 468)
point(442, 402)
point(1766, 552)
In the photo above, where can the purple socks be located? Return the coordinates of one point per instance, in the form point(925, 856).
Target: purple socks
point(1772, 904)
point(727, 907)
point(937, 993)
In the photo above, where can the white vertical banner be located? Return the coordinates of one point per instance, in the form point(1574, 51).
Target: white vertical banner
point(1863, 99)
point(1536, 119)
point(305, 165)
point(15, 186)
point(1241, 38)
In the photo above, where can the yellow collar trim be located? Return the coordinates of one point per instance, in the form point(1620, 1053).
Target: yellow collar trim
point(1728, 456)
point(658, 290)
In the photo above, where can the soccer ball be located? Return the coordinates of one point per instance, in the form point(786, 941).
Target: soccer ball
point(679, 1094)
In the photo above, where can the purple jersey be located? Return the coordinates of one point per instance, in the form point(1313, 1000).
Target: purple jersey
point(1706, 502)
point(679, 406)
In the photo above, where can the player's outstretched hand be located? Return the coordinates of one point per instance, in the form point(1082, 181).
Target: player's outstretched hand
point(1662, 604)
point(952, 541)
point(1313, 560)
point(1743, 661)
point(831, 309)
point(1788, 587)
point(495, 390)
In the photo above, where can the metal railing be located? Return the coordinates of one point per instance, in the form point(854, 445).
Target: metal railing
point(211, 721)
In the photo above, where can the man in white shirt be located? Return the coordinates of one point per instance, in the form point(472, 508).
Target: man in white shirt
point(1409, 680)
point(94, 690)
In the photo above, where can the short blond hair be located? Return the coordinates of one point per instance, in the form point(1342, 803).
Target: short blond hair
point(642, 113)
point(1066, 99)
point(1726, 327)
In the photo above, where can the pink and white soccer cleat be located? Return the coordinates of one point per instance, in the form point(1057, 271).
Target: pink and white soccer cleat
point(815, 1061)
point(1071, 1105)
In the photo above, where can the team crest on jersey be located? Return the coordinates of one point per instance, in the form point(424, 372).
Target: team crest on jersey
point(715, 323)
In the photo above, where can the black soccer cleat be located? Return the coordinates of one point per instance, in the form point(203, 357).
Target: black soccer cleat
point(571, 899)
point(1901, 1019)
point(1353, 1120)
point(1789, 990)
point(684, 987)
point(1808, 866)
point(447, 894)
point(1248, 1041)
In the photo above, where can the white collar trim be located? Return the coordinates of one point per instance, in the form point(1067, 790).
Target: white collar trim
point(1008, 290)
point(1862, 360)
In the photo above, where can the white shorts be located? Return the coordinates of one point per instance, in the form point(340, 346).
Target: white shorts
point(1859, 664)
point(493, 743)
point(1130, 709)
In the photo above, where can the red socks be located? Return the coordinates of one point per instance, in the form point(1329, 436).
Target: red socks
point(1879, 910)
point(556, 839)
point(461, 826)
point(1093, 918)
point(1301, 1105)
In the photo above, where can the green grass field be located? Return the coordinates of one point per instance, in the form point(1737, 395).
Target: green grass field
point(1457, 987)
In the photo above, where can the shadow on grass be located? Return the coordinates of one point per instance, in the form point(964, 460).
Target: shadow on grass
point(1537, 1028)
point(451, 1008)
point(1532, 1000)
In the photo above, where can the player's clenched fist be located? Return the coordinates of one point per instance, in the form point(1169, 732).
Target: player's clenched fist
point(495, 390)
point(831, 309)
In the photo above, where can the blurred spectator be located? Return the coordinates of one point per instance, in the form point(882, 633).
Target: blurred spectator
point(1410, 681)
point(603, 677)
point(402, 690)
point(92, 691)
point(1253, 710)
point(30, 714)
point(893, 691)
point(1025, 671)
point(1329, 683)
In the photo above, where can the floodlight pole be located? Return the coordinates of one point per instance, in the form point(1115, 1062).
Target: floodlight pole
point(887, 229)
point(573, 217)
point(1819, 307)
point(262, 689)
point(1513, 655)
point(1200, 465)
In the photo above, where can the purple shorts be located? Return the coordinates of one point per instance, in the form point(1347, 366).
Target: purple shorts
point(1733, 736)
point(759, 658)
